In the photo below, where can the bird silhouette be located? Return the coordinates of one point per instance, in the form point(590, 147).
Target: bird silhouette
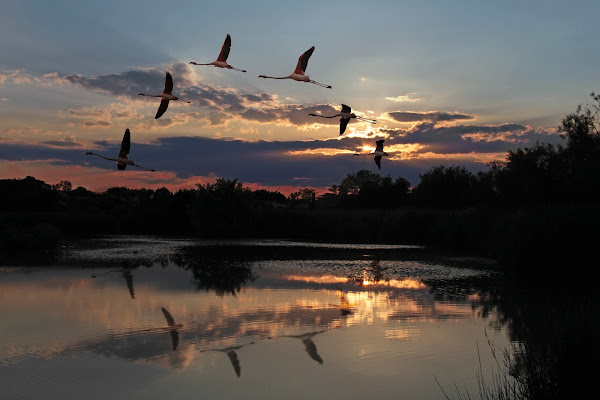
point(123, 160)
point(299, 72)
point(165, 96)
point(221, 61)
point(378, 153)
point(346, 114)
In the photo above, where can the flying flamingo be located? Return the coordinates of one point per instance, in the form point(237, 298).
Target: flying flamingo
point(123, 159)
point(166, 96)
point(221, 61)
point(346, 114)
point(378, 153)
point(298, 74)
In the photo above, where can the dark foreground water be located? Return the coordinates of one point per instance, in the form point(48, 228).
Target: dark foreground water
point(153, 318)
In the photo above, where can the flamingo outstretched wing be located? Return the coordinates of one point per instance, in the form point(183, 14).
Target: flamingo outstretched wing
point(379, 145)
point(125, 145)
point(343, 125)
point(346, 109)
point(225, 49)
point(378, 161)
point(168, 83)
point(164, 104)
point(303, 61)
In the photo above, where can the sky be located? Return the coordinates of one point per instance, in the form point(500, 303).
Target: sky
point(449, 83)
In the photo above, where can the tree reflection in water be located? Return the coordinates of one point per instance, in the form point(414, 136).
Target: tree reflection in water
point(215, 271)
point(375, 273)
point(553, 324)
point(554, 328)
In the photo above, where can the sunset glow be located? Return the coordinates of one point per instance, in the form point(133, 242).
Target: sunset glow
point(56, 109)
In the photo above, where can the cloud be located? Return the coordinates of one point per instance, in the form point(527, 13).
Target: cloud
point(433, 116)
point(260, 162)
point(406, 98)
point(218, 104)
point(114, 113)
point(90, 123)
point(65, 142)
point(23, 77)
point(435, 136)
point(15, 76)
point(210, 105)
point(278, 163)
point(471, 138)
point(28, 136)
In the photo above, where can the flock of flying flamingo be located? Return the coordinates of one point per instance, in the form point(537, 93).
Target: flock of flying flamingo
point(299, 74)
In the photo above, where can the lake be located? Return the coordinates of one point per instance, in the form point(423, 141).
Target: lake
point(143, 317)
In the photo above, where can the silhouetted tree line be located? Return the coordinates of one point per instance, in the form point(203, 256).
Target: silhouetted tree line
point(537, 197)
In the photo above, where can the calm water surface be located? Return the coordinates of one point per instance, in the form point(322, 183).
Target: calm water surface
point(155, 318)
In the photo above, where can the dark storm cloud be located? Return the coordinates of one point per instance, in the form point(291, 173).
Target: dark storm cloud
point(226, 103)
point(405, 116)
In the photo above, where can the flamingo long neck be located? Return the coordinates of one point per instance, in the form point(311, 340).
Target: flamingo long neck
point(324, 116)
point(106, 158)
point(150, 95)
point(274, 77)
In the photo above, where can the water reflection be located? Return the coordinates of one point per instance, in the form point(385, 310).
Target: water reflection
point(352, 313)
point(218, 273)
point(345, 306)
point(309, 345)
point(233, 357)
point(556, 343)
point(173, 328)
point(370, 275)
point(126, 273)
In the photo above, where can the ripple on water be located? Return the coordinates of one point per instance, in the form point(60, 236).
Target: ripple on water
point(391, 269)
